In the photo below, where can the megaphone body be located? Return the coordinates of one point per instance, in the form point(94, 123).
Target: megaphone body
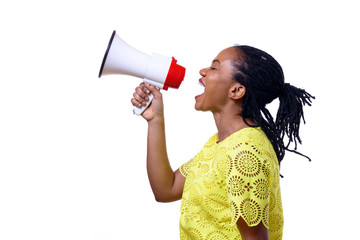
point(157, 70)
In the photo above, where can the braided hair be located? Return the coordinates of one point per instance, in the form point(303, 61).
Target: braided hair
point(263, 79)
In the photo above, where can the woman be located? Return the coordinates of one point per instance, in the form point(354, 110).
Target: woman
point(230, 189)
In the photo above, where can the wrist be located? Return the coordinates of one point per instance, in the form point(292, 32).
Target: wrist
point(157, 120)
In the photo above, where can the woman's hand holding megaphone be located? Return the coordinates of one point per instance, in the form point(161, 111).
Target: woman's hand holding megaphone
point(141, 97)
point(155, 70)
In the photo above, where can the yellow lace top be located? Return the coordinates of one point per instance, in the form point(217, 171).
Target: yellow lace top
point(238, 177)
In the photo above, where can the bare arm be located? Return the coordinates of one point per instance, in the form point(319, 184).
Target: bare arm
point(259, 232)
point(166, 184)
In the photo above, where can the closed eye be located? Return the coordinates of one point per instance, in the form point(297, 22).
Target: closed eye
point(214, 62)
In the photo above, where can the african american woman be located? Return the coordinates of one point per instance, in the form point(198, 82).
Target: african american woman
point(231, 188)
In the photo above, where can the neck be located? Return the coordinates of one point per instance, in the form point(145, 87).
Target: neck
point(228, 123)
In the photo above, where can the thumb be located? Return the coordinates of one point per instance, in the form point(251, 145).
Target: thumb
point(154, 90)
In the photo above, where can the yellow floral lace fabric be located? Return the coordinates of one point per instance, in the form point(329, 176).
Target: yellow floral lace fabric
point(238, 177)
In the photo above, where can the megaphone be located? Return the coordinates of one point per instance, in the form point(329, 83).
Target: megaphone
point(157, 70)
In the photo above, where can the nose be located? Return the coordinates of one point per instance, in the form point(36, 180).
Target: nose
point(203, 72)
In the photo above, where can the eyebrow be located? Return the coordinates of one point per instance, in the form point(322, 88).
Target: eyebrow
point(216, 61)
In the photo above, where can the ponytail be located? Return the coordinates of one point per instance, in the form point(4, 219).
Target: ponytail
point(263, 78)
point(290, 113)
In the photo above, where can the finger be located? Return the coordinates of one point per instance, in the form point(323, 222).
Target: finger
point(136, 103)
point(140, 100)
point(142, 92)
point(155, 91)
point(144, 88)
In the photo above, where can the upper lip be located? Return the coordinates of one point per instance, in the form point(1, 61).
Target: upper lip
point(201, 81)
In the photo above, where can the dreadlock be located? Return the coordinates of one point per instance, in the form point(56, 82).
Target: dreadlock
point(263, 79)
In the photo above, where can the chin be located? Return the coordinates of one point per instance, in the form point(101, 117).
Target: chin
point(197, 108)
point(198, 105)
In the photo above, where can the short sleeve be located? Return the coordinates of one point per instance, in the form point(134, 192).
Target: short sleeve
point(184, 169)
point(247, 184)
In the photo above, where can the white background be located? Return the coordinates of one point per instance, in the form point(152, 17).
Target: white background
point(72, 155)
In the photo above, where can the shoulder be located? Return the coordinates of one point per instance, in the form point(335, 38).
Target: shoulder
point(252, 139)
point(252, 134)
point(251, 153)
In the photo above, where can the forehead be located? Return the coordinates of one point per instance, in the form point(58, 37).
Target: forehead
point(230, 53)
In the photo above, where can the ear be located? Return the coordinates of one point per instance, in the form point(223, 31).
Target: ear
point(237, 91)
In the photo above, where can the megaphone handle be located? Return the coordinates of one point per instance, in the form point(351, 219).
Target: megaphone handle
point(139, 111)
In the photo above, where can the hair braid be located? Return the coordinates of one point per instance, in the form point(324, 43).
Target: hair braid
point(263, 79)
point(291, 112)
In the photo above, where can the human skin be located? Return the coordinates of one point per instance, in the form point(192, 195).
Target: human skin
point(223, 97)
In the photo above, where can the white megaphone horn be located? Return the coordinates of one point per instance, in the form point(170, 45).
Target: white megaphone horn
point(159, 71)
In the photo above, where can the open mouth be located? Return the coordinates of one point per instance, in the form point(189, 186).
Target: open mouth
point(201, 83)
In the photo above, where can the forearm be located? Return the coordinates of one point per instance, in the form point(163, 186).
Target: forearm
point(160, 174)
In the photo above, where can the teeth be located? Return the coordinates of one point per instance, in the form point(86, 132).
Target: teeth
point(200, 82)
